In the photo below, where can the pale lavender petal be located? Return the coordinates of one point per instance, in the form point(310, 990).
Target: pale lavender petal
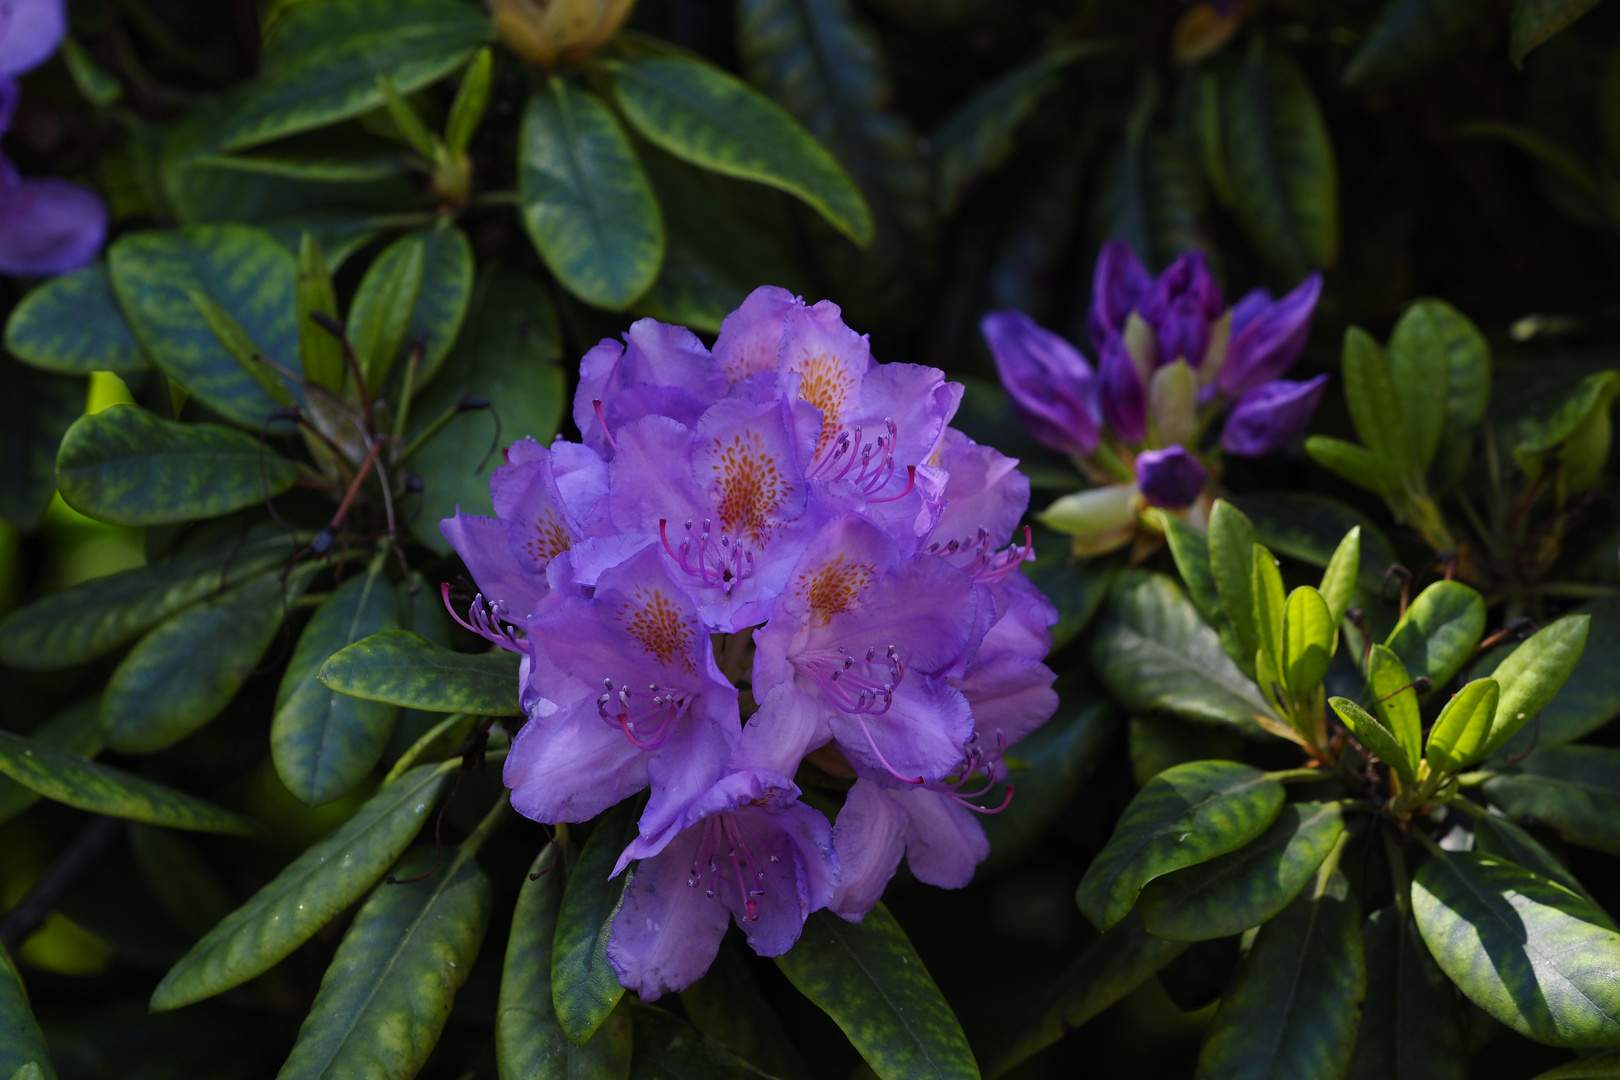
point(1118, 286)
point(984, 492)
point(1171, 477)
point(662, 370)
point(919, 737)
point(30, 32)
point(483, 545)
point(666, 933)
point(49, 226)
point(1269, 339)
point(824, 363)
point(944, 840)
point(1051, 386)
point(570, 766)
point(1271, 416)
point(750, 341)
point(869, 837)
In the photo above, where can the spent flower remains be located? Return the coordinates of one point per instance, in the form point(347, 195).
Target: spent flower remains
point(774, 551)
point(1173, 359)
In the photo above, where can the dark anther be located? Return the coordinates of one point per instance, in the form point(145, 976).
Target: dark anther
point(1448, 560)
point(415, 484)
point(1422, 684)
point(1516, 630)
point(1404, 576)
point(323, 541)
point(469, 402)
point(328, 323)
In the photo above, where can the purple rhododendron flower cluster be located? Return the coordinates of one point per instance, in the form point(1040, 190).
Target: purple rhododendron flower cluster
point(772, 551)
point(1172, 358)
point(47, 226)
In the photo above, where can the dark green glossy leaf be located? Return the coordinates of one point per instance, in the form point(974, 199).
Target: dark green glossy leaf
point(1533, 954)
point(441, 305)
point(76, 730)
point(21, 1042)
point(1575, 433)
point(713, 120)
point(437, 743)
point(399, 668)
point(183, 882)
point(1603, 1066)
point(586, 202)
point(1411, 1025)
point(329, 876)
point(584, 988)
point(1409, 36)
point(1189, 546)
point(388, 992)
point(36, 409)
point(1154, 652)
point(86, 620)
point(65, 777)
point(507, 354)
point(1231, 564)
point(1573, 790)
point(1246, 887)
point(320, 350)
point(1498, 836)
point(180, 675)
point(1290, 1010)
point(529, 1043)
point(1355, 463)
point(728, 1006)
point(126, 466)
point(1589, 698)
point(1534, 21)
point(71, 324)
point(244, 271)
point(325, 743)
point(389, 321)
point(1159, 741)
point(1285, 181)
point(1533, 674)
point(667, 1048)
point(383, 303)
point(1108, 969)
point(1186, 815)
point(1439, 631)
point(322, 62)
point(869, 979)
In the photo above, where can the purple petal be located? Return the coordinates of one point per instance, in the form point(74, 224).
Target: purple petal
point(569, 765)
point(666, 933)
point(1182, 304)
point(484, 545)
point(869, 837)
point(662, 370)
point(1271, 416)
point(920, 734)
point(1171, 478)
point(824, 363)
point(984, 491)
point(30, 31)
point(49, 226)
point(1124, 398)
point(1269, 337)
point(944, 840)
point(750, 341)
point(1118, 286)
point(10, 92)
point(1050, 383)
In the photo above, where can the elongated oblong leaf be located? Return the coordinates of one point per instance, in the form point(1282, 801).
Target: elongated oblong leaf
point(1231, 564)
point(1290, 1010)
point(1589, 698)
point(1536, 956)
point(126, 466)
point(1411, 1025)
point(1154, 652)
point(528, 1040)
point(65, 777)
point(1574, 790)
point(86, 620)
point(323, 742)
point(870, 980)
point(1500, 837)
point(716, 121)
point(1533, 674)
point(1439, 631)
point(1534, 21)
point(36, 410)
point(388, 992)
point(1246, 887)
point(728, 1006)
point(584, 989)
point(1338, 586)
point(243, 270)
point(1395, 700)
point(1459, 732)
point(1375, 406)
point(399, 668)
point(1183, 816)
point(586, 202)
point(1421, 371)
point(1375, 737)
point(1309, 634)
point(383, 304)
point(1356, 464)
point(76, 730)
point(71, 324)
point(1110, 967)
point(329, 876)
point(21, 1042)
point(180, 675)
point(322, 62)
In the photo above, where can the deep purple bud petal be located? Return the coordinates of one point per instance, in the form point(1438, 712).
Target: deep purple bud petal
point(1271, 416)
point(1171, 478)
point(1051, 385)
point(9, 93)
point(1118, 285)
point(1124, 398)
point(48, 226)
point(1267, 336)
point(1180, 307)
point(30, 31)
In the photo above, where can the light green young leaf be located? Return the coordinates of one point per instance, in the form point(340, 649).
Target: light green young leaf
point(472, 99)
point(1396, 700)
point(1376, 737)
point(1376, 403)
point(1356, 464)
point(1458, 736)
point(1231, 562)
point(322, 353)
point(1421, 372)
point(1308, 636)
point(1338, 586)
point(1269, 604)
point(1532, 675)
point(1440, 631)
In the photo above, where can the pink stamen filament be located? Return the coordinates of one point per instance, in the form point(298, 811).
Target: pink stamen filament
point(486, 620)
point(725, 832)
point(606, 434)
point(986, 565)
point(648, 718)
point(869, 466)
point(976, 763)
point(721, 564)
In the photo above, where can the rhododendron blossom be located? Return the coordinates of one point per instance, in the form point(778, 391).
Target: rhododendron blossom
point(772, 551)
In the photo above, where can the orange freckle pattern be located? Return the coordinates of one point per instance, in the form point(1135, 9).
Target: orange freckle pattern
point(749, 487)
point(833, 587)
point(825, 383)
point(755, 360)
point(548, 539)
point(658, 626)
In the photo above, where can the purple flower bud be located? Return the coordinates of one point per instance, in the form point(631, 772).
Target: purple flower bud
point(47, 226)
point(1267, 336)
point(1180, 307)
point(1124, 395)
point(30, 31)
point(1271, 416)
point(1051, 385)
point(1118, 286)
point(1171, 478)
